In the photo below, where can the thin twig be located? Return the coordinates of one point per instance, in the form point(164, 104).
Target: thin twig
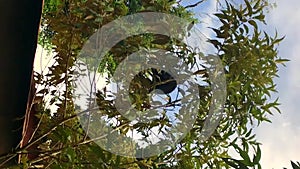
point(58, 151)
point(195, 4)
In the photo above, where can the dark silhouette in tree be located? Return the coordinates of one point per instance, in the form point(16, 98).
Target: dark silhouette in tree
point(148, 80)
point(156, 79)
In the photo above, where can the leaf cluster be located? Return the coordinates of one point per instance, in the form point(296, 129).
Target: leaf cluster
point(250, 60)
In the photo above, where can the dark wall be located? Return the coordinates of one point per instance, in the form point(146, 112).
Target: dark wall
point(19, 22)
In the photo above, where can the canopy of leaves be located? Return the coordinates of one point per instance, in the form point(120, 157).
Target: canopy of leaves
point(250, 60)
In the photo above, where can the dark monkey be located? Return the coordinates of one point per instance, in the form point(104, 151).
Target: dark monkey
point(148, 80)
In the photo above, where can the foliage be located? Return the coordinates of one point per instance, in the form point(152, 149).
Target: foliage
point(248, 53)
point(294, 165)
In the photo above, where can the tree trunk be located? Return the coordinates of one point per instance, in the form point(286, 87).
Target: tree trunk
point(19, 20)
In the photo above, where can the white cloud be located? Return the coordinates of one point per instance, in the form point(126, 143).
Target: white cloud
point(45, 59)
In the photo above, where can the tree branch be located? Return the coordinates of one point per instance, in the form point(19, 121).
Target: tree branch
point(195, 4)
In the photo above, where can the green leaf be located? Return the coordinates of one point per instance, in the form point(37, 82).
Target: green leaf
point(222, 16)
point(230, 163)
point(257, 156)
point(253, 23)
point(281, 60)
point(246, 28)
point(249, 132)
point(257, 4)
point(249, 7)
point(243, 154)
point(216, 43)
point(295, 166)
point(260, 17)
point(278, 40)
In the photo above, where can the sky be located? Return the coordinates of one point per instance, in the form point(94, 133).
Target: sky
point(280, 139)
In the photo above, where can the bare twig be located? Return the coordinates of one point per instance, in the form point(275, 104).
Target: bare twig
point(195, 4)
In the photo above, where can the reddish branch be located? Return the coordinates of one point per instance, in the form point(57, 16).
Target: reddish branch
point(30, 121)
